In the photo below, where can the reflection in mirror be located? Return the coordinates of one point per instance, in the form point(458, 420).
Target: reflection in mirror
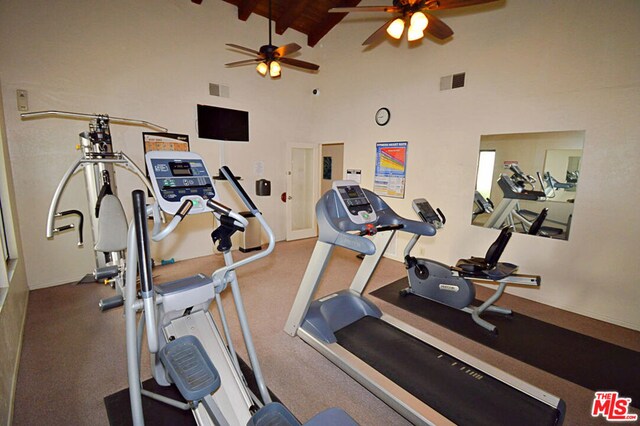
point(528, 181)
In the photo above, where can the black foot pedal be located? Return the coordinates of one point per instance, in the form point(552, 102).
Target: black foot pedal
point(190, 368)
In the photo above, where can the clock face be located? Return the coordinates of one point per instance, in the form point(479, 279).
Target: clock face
point(382, 116)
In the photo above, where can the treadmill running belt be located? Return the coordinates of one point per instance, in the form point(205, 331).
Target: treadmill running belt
point(464, 395)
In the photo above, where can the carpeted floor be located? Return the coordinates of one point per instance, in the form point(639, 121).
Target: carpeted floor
point(74, 355)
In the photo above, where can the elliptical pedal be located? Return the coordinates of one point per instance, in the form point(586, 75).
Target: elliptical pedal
point(190, 368)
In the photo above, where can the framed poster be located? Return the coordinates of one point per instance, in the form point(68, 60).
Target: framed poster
point(165, 142)
point(391, 169)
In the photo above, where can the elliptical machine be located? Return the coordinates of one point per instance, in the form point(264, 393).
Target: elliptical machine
point(453, 285)
point(185, 344)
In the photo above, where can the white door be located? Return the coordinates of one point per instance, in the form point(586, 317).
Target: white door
point(302, 191)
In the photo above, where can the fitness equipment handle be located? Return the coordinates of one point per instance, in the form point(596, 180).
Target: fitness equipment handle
point(381, 229)
point(220, 275)
point(67, 114)
point(239, 189)
point(144, 266)
point(223, 210)
point(80, 223)
point(183, 210)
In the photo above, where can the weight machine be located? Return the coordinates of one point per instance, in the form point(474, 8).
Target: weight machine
point(107, 219)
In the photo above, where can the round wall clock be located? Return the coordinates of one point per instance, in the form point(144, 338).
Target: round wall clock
point(383, 115)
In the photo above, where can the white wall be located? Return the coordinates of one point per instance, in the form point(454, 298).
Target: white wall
point(147, 60)
point(530, 67)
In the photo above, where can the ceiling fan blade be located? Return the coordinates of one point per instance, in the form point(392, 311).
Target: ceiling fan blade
point(437, 28)
point(299, 64)
point(245, 62)
point(365, 9)
point(287, 49)
point(378, 34)
point(246, 49)
point(450, 4)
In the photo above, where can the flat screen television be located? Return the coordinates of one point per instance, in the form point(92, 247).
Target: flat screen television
point(223, 124)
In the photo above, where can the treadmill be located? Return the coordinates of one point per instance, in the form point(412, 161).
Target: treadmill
point(424, 379)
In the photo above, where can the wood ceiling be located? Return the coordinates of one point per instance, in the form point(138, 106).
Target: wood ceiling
point(310, 17)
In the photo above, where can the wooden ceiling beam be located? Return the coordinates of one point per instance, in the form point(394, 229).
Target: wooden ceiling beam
point(330, 21)
point(246, 8)
point(290, 15)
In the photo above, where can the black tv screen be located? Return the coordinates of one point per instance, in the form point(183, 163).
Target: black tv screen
point(223, 124)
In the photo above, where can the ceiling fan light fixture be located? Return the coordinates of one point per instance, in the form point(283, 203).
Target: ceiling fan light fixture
point(262, 68)
point(396, 28)
point(414, 34)
point(419, 21)
point(274, 69)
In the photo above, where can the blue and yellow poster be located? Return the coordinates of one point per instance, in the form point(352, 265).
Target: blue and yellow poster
point(391, 169)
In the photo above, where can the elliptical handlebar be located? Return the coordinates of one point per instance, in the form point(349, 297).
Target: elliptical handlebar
point(239, 189)
point(221, 209)
point(220, 275)
point(140, 233)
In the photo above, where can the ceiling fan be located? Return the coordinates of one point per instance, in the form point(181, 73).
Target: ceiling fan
point(269, 56)
point(415, 12)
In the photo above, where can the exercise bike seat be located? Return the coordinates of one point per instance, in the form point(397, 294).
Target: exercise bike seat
point(488, 266)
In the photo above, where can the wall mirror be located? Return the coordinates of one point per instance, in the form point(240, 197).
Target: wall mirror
point(528, 181)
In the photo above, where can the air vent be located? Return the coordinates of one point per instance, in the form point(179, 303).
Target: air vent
point(453, 81)
point(218, 90)
point(457, 81)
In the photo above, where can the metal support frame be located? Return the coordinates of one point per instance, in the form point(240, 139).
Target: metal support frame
point(369, 264)
point(308, 286)
point(501, 213)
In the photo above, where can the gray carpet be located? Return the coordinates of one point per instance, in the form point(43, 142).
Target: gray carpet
point(74, 355)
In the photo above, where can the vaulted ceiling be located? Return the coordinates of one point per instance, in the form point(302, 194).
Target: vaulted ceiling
point(310, 17)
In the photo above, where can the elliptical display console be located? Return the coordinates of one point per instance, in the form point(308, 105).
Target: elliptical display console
point(178, 176)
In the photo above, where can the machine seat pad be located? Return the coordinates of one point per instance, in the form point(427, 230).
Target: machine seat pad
point(112, 225)
point(190, 368)
point(477, 267)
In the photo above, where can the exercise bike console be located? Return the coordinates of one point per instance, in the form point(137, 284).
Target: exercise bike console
point(355, 202)
point(180, 176)
point(427, 214)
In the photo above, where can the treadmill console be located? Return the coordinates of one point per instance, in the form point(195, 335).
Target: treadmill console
point(177, 176)
point(354, 202)
point(511, 189)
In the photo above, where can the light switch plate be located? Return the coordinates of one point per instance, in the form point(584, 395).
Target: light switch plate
point(23, 100)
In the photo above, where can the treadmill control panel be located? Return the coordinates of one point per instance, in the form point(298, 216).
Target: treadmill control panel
point(355, 202)
point(180, 176)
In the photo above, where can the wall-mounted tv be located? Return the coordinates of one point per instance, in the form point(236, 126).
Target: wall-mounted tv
point(223, 124)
